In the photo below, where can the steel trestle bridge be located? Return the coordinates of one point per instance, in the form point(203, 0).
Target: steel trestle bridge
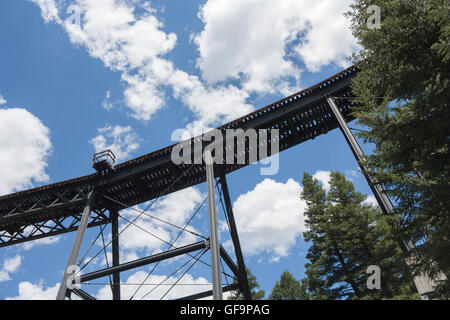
point(58, 208)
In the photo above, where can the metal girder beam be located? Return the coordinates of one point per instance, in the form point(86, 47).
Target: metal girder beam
point(82, 294)
point(61, 225)
point(230, 263)
point(143, 261)
point(209, 293)
point(28, 213)
point(147, 177)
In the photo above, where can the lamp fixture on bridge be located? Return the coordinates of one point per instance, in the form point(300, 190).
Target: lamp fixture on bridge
point(104, 161)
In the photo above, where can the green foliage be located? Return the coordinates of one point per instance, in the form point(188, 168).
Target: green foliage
point(254, 289)
point(346, 237)
point(407, 61)
point(289, 288)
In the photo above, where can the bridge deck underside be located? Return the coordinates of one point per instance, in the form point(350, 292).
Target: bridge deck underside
point(57, 208)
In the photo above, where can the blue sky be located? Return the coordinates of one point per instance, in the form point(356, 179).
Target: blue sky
point(127, 76)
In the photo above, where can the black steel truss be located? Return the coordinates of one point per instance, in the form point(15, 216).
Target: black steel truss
point(56, 209)
point(58, 224)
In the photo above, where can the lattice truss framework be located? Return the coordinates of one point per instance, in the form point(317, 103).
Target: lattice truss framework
point(56, 209)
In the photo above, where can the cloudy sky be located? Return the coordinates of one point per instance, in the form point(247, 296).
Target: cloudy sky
point(81, 76)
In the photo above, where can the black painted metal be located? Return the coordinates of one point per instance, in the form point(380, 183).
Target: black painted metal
point(56, 209)
point(230, 263)
point(115, 253)
point(143, 261)
point(209, 293)
point(82, 294)
point(243, 279)
point(383, 201)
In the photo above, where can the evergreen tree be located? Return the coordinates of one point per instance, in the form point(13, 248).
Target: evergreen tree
point(403, 92)
point(254, 289)
point(289, 288)
point(347, 236)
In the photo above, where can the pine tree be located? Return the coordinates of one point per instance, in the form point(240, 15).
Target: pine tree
point(347, 236)
point(254, 289)
point(403, 92)
point(289, 288)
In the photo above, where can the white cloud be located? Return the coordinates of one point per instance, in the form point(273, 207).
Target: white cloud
point(187, 285)
point(30, 291)
point(256, 40)
point(134, 45)
point(134, 238)
point(49, 10)
point(44, 241)
point(2, 100)
point(249, 38)
point(111, 32)
point(270, 218)
point(125, 42)
point(351, 175)
point(371, 200)
point(147, 235)
point(107, 104)
point(24, 148)
point(142, 94)
point(328, 38)
point(324, 178)
point(253, 40)
point(176, 208)
point(211, 105)
point(4, 276)
point(10, 265)
point(122, 141)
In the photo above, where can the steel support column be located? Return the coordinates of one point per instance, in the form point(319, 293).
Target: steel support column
point(213, 230)
point(114, 216)
point(245, 287)
point(423, 283)
point(76, 247)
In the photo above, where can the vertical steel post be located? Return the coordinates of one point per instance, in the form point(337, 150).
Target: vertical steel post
point(245, 287)
point(423, 283)
point(114, 216)
point(76, 247)
point(213, 229)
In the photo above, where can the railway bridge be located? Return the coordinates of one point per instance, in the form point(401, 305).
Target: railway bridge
point(96, 199)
